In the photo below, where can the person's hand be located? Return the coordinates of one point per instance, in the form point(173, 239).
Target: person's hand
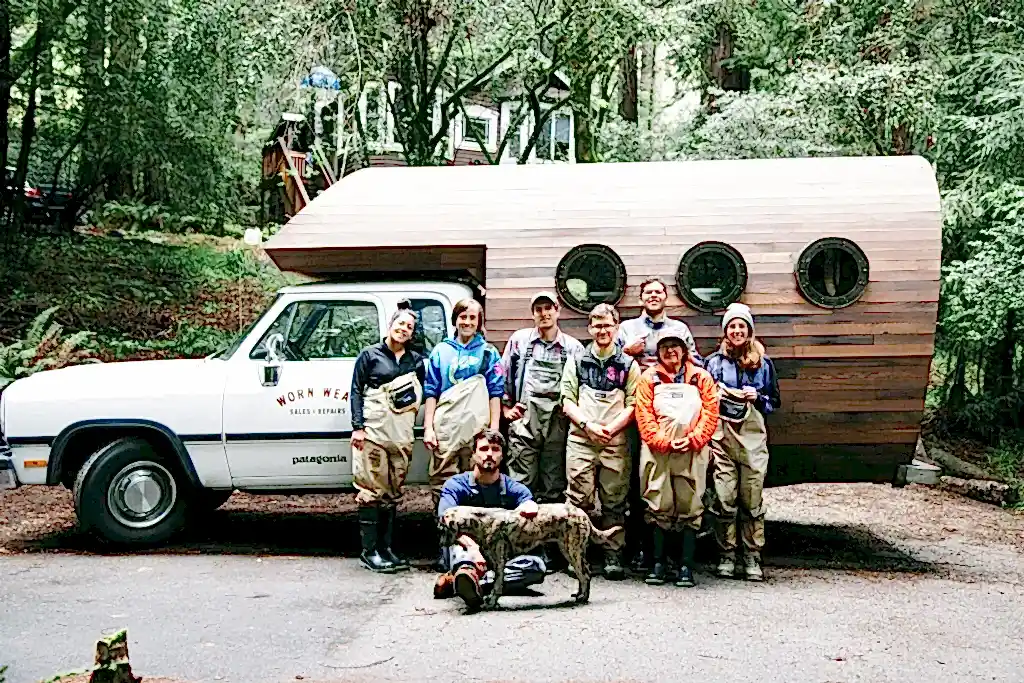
point(358, 439)
point(681, 444)
point(598, 433)
point(636, 347)
point(750, 393)
point(430, 438)
point(515, 412)
point(529, 509)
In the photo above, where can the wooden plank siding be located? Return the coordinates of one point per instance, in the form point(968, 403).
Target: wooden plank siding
point(853, 379)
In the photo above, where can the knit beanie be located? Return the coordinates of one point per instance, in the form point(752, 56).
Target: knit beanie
point(738, 310)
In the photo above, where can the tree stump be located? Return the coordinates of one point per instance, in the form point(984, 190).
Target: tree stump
point(112, 664)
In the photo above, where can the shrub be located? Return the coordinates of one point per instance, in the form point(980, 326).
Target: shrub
point(42, 348)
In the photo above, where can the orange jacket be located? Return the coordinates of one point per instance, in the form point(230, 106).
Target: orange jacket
point(650, 430)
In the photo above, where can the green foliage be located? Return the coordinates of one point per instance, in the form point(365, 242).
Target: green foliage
point(43, 348)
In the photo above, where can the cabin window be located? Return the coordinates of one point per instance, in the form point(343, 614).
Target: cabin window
point(588, 275)
point(832, 272)
point(476, 123)
point(711, 276)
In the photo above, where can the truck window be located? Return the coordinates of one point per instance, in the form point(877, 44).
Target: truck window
point(324, 329)
point(431, 327)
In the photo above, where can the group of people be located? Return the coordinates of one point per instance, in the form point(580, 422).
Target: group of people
point(625, 428)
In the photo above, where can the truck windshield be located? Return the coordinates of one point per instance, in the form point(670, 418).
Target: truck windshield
point(228, 351)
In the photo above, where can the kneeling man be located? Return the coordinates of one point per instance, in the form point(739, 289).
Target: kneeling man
point(485, 486)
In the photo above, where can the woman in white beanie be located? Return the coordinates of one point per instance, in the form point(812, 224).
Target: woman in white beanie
point(739, 448)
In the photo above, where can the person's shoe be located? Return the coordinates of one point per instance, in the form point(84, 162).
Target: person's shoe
point(613, 569)
point(444, 587)
point(752, 568)
point(657, 575)
point(684, 579)
point(726, 567)
point(467, 587)
point(386, 527)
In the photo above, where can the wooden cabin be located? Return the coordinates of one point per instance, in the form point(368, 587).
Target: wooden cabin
point(837, 257)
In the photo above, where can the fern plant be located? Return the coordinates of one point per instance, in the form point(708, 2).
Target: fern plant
point(43, 348)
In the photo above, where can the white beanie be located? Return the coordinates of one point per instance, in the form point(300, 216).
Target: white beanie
point(738, 310)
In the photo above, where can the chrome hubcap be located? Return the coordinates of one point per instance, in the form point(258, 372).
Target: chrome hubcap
point(142, 494)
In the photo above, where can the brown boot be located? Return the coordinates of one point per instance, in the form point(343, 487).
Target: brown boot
point(467, 587)
point(444, 587)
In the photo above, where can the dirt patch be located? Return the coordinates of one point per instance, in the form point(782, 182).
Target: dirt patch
point(859, 527)
point(914, 513)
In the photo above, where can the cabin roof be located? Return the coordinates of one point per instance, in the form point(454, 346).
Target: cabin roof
point(473, 205)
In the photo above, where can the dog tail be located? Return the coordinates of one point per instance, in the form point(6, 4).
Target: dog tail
point(604, 537)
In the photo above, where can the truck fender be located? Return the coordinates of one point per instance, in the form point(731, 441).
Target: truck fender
point(54, 468)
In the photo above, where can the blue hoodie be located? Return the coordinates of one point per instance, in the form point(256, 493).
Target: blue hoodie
point(451, 362)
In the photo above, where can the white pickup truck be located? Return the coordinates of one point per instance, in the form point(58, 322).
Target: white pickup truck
point(145, 445)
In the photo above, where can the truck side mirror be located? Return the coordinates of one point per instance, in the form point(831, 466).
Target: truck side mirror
point(270, 371)
point(271, 375)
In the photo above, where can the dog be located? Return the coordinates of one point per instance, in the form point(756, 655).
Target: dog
point(503, 534)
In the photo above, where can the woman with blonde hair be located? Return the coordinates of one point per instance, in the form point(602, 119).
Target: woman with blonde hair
point(749, 391)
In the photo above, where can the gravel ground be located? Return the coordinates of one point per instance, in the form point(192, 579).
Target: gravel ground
point(866, 583)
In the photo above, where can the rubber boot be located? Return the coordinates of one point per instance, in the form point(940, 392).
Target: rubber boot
point(685, 577)
point(370, 557)
point(658, 571)
point(387, 519)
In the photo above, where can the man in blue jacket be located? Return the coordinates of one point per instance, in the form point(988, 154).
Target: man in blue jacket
point(485, 486)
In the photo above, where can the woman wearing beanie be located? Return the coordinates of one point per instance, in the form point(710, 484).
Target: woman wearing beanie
point(739, 448)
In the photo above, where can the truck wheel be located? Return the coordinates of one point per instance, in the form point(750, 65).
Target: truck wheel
point(127, 493)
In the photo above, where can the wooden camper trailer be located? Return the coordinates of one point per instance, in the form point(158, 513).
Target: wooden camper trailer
point(837, 257)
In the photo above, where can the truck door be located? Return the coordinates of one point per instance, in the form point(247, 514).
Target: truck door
point(295, 432)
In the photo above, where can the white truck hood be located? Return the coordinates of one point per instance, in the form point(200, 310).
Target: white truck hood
point(161, 391)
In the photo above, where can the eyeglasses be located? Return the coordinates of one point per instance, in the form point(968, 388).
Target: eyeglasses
point(603, 326)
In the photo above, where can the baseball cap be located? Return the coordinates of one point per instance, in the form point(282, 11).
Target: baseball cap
point(665, 335)
point(550, 296)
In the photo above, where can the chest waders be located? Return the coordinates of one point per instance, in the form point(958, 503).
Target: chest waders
point(674, 483)
point(379, 468)
point(536, 442)
point(601, 472)
point(462, 412)
point(739, 450)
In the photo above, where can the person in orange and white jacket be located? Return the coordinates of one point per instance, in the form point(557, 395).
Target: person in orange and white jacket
point(676, 413)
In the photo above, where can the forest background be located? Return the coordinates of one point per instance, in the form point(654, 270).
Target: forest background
point(153, 114)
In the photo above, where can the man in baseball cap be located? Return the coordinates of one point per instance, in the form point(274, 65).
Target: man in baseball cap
point(533, 362)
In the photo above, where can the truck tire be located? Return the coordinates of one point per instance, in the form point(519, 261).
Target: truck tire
point(129, 494)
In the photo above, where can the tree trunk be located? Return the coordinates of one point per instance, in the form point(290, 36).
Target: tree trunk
point(124, 48)
point(719, 75)
point(580, 89)
point(90, 171)
point(5, 84)
point(629, 100)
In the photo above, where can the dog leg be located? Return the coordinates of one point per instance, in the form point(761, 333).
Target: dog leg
point(499, 556)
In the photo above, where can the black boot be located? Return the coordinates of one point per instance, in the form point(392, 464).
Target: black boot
point(685, 578)
point(388, 516)
point(659, 571)
point(370, 558)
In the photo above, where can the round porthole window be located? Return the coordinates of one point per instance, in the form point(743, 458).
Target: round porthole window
point(590, 274)
point(832, 272)
point(711, 276)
